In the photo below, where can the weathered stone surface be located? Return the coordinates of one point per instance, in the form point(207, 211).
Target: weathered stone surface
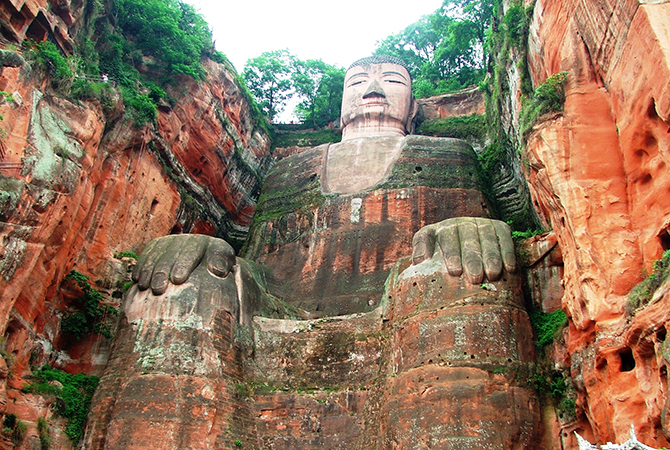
point(310, 380)
point(544, 271)
point(458, 359)
point(330, 254)
point(171, 380)
point(316, 420)
point(462, 103)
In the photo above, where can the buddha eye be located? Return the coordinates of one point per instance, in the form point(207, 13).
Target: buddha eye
point(394, 81)
point(356, 83)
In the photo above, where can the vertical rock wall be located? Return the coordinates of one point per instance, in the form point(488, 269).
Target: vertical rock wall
point(598, 174)
point(90, 185)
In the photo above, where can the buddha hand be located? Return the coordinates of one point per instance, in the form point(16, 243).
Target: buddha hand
point(479, 247)
point(172, 259)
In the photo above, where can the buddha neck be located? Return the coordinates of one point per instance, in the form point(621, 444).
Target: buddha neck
point(359, 164)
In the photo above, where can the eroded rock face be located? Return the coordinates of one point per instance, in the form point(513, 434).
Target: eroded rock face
point(217, 152)
point(92, 185)
point(462, 103)
point(599, 174)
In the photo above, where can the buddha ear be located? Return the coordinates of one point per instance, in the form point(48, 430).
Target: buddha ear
point(414, 114)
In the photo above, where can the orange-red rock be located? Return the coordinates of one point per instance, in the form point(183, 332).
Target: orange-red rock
point(462, 103)
point(92, 185)
point(598, 174)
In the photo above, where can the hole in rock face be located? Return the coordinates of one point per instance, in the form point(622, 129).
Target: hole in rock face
point(418, 169)
point(645, 179)
point(664, 238)
point(627, 360)
point(660, 334)
point(154, 203)
point(641, 154)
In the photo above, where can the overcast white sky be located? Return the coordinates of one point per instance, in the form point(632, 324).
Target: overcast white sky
point(337, 32)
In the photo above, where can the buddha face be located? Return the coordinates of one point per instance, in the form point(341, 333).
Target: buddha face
point(377, 101)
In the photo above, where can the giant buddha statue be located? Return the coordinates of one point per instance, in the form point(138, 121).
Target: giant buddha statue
point(385, 226)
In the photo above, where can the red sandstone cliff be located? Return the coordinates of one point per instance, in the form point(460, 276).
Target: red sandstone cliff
point(598, 173)
point(92, 184)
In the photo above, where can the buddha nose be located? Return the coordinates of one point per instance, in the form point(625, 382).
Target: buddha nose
point(374, 89)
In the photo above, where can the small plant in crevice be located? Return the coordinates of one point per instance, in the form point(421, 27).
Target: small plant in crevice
point(642, 293)
point(19, 432)
point(520, 236)
point(546, 326)
point(92, 313)
point(14, 428)
point(126, 254)
point(552, 385)
point(44, 433)
point(548, 97)
point(73, 394)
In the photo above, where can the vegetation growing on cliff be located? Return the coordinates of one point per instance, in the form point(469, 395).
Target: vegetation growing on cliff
point(91, 316)
point(170, 32)
point(546, 326)
point(547, 97)
point(643, 292)
point(44, 433)
point(469, 128)
point(14, 428)
point(506, 42)
point(139, 46)
point(73, 394)
point(49, 58)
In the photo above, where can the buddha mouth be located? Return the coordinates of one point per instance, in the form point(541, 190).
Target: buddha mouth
point(379, 101)
point(374, 99)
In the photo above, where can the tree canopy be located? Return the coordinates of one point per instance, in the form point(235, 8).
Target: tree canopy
point(140, 45)
point(276, 76)
point(445, 50)
point(171, 31)
point(320, 87)
point(268, 77)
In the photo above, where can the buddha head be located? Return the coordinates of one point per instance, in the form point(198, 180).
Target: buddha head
point(377, 98)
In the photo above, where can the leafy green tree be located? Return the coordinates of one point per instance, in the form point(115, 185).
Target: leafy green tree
point(170, 31)
point(320, 86)
point(415, 45)
point(446, 50)
point(269, 78)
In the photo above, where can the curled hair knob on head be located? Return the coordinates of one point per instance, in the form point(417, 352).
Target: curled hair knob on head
point(379, 59)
